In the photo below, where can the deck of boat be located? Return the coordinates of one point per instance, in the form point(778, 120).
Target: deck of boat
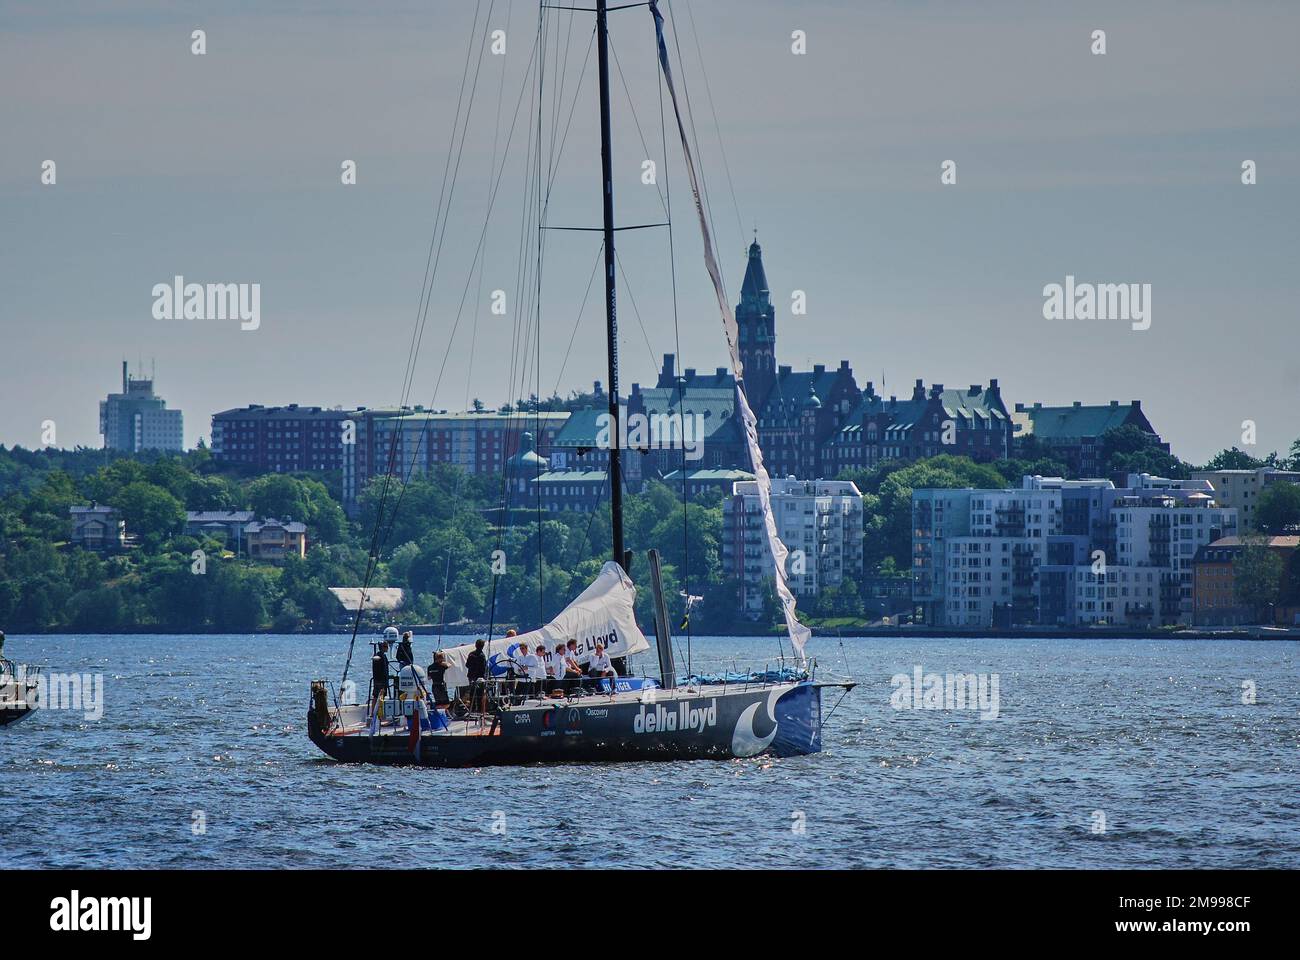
point(355, 719)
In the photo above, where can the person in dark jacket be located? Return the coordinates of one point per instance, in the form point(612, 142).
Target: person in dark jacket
point(476, 668)
point(438, 679)
point(405, 655)
point(379, 672)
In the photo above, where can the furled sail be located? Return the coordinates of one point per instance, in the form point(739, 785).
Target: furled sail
point(603, 613)
point(799, 634)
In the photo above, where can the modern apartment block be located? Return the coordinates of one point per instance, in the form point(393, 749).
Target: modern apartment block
point(361, 442)
point(476, 442)
point(820, 523)
point(1062, 552)
point(285, 439)
point(1241, 489)
point(137, 419)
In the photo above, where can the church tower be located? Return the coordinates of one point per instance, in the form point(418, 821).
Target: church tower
point(756, 322)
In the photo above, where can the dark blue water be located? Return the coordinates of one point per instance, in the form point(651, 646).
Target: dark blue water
point(1153, 734)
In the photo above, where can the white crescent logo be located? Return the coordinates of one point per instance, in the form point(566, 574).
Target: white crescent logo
point(743, 741)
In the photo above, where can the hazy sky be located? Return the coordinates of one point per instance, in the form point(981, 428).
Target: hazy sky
point(226, 168)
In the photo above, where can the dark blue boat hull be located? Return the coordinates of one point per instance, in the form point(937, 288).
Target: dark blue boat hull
point(717, 723)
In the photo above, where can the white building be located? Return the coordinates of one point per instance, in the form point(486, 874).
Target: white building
point(996, 567)
point(1240, 489)
point(1063, 552)
point(820, 523)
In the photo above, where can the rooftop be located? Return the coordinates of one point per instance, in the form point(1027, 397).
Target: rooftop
point(1077, 420)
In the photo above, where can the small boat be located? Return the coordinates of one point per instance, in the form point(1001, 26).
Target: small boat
point(497, 719)
point(18, 692)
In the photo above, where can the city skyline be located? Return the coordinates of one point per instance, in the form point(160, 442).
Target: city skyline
point(1122, 168)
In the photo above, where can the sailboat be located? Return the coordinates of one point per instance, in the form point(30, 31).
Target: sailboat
point(774, 710)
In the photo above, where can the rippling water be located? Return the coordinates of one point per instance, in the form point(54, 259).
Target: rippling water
point(1153, 734)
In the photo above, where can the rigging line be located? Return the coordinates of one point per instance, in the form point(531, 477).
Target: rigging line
point(372, 562)
point(438, 213)
point(433, 402)
point(577, 320)
point(568, 123)
point(557, 96)
point(627, 286)
point(527, 211)
point(426, 298)
point(681, 388)
point(521, 279)
point(426, 285)
point(717, 128)
point(496, 136)
point(537, 371)
point(499, 171)
point(535, 309)
point(446, 213)
point(632, 107)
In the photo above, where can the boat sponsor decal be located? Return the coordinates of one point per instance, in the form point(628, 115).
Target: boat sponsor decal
point(658, 718)
point(749, 739)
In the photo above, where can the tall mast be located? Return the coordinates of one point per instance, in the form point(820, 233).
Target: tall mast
point(611, 296)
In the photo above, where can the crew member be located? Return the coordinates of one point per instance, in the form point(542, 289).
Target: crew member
point(601, 666)
point(525, 669)
point(476, 668)
point(438, 679)
point(537, 672)
point(572, 669)
point(379, 673)
point(405, 655)
point(556, 669)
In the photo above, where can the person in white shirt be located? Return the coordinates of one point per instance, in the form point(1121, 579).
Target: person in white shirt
point(525, 669)
point(600, 667)
point(555, 669)
point(537, 673)
point(572, 669)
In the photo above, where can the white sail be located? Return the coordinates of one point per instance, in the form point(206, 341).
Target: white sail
point(799, 634)
point(602, 613)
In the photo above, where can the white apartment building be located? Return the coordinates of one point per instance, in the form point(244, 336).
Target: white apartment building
point(1240, 489)
point(1058, 552)
point(992, 574)
point(820, 523)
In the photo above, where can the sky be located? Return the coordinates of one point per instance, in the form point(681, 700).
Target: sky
point(225, 167)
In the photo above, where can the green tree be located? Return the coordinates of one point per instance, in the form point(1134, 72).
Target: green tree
point(1278, 509)
point(1257, 574)
point(1292, 462)
point(1130, 449)
point(149, 511)
point(1234, 459)
point(240, 597)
